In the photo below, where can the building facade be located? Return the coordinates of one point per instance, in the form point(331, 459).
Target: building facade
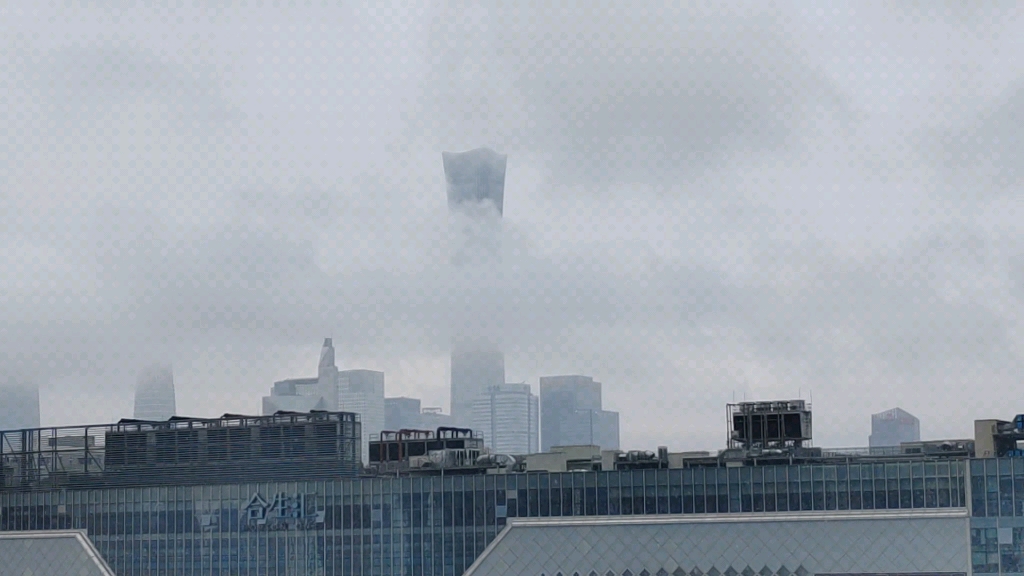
point(475, 182)
point(507, 416)
point(571, 414)
point(401, 413)
point(591, 428)
point(154, 393)
point(431, 418)
point(305, 394)
point(473, 373)
point(327, 374)
point(297, 395)
point(440, 525)
point(362, 392)
point(893, 427)
point(19, 405)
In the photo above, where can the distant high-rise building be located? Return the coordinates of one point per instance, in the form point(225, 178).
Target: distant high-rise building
point(402, 413)
point(362, 392)
point(475, 177)
point(359, 391)
point(154, 393)
point(305, 394)
point(298, 395)
point(19, 404)
point(476, 194)
point(591, 427)
point(560, 398)
point(473, 372)
point(507, 416)
point(327, 372)
point(431, 418)
point(893, 427)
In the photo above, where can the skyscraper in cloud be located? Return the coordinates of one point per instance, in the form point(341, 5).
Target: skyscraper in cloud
point(475, 177)
point(154, 393)
point(473, 373)
point(19, 404)
point(476, 192)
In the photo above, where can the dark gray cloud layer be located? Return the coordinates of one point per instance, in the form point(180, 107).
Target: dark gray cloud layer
point(833, 209)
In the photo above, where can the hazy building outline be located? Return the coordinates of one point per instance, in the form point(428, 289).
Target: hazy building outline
point(432, 418)
point(475, 187)
point(402, 413)
point(571, 413)
point(154, 393)
point(362, 391)
point(19, 405)
point(508, 417)
point(591, 428)
point(893, 427)
point(305, 394)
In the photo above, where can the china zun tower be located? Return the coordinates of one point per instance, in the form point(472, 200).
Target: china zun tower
point(476, 190)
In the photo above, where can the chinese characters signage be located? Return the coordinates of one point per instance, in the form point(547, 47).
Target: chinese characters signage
point(280, 512)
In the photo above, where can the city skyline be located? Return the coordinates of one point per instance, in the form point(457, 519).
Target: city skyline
point(601, 426)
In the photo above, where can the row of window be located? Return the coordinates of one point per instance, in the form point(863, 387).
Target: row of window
point(904, 473)
point(491, 507)
point(997, 487)
point(997, 550)
point(437, 525)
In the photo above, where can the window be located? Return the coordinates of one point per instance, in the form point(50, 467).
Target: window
point(984, 550)
point(675, 492)
point(757, 490)
point(1005, 493)
point(978, 488)
point(734, 489)
point(699, 498)
point(991, 494)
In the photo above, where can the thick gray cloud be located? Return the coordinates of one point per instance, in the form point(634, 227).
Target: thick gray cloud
point(622, 95)
point(834, 204)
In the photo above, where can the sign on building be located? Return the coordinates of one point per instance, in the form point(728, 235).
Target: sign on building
point(281, 512)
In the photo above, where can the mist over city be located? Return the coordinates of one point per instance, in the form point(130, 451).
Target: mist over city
point(507, 262)
point(741, 202)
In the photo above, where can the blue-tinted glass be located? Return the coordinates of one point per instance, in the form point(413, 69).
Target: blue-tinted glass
point(1005, 466)
point(1005, 495)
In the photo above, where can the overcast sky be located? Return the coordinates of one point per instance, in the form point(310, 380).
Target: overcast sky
point(761, 200)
